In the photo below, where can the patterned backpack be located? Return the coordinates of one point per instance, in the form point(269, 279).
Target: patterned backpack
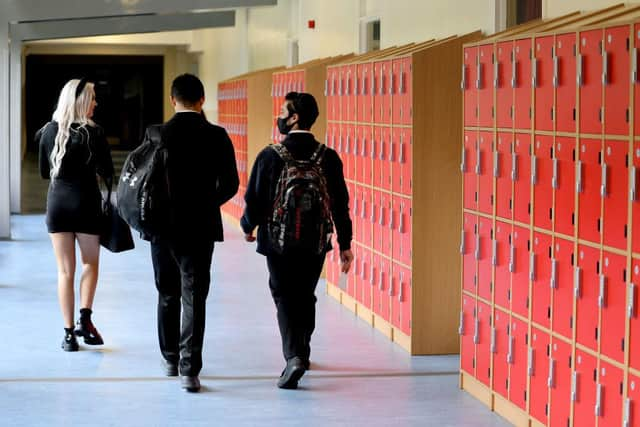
point(301, 218)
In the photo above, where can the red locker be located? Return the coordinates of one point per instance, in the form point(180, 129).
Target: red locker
point(469, 86)
point(346, 144)
point(381, 300)
point(468, 168)
point(343, 85)
point(382, 96)
point(543, 82)
point(363, 282)
point(402, 91)
point(562, 321)
point(363, 160)
point(401, 160)
point(333, 258)
point(484, 168)
point(381, 230)
point(365, 89)
point(402, 217)
point(352, 275)
point(589, 69)
point(333, 106)
point(352, 84)
point(559, 382)
point(518, 360)
point(468, 245)
point(538, 366)
point(632, 313)
point(501, 259)
point(504, 84)
point(631, 409)
point(502, 171)
point(588, 187)
point(636, 81)
point(564, 182)
point(612, 301)
point(483, 344)
point(466, 331)
point(635, 205)
point(367, 214)
point(500, 349)
point(404, 276)
point(586, 293)
point(521, 174)
point(540, 273)
point(522, 91)
point(381, 164)
point(519, 266)
point(583, 389)
point(614, 189)
point(616, 80)
point(485, 267)
point(541, 179)
point(609, 395)
point(485, 87)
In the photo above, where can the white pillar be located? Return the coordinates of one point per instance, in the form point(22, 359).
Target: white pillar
point(5, 207)
point(15, 124)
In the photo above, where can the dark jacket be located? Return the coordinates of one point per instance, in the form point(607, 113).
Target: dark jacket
point(202, 174)
point(261, 189)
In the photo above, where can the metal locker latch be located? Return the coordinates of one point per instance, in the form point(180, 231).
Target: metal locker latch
point(401, 152)
point(401, 219)
point(626, 422)
point(603, 186)
point(494, 257)
point(391, 81)
point(363, 146)
point(579, 78)
point(381, 219)
point(479, 74)
point(463, 81)
point(391, 222)
point(634, 65)
point(373, 83)
point(461, 324)
point(363, 89)
point(576, 283)
point(553, 282)
point(514, 166)
point(363, 208)
point(401, 81)
point(631, 298)
point(510, 352)
point(373, 148)
point(391, 154)
point(514, 75)
point(371, 274)
point(401, 290)
point(551, 383)
point(603, 289)
point(530, 370)
point(512, 259)
point(340, 143)
point(355, 207)
point(496, 79)
point(574, 387)
point(554, 178)
point(348, 143)
point(598, 406)
point(579, 176)
point(477, 252)
point(381, 281)
point(391, 287)
point(534, 170)
point(381, 91)
point(463, 249)
point(362, 269)
point(493, 347)
point(372, 219)
point(534, 73)
point(632, 183)
point(348, 83)
point(354, 146)
point(556, 78)
point(326, 88)
point(496, 164)
point(340, 85)
point(605, 68)
point(381, 153)
point(532, 267)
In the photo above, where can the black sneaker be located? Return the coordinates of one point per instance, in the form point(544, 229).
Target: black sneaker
point(69, 343)
point(291, 374)
point(85, 329)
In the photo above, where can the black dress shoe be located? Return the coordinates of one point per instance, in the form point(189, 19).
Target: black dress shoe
point(190, 384)
point(85, 329)
point(170, 368)
point(69, 343)
point(292, 373)
point(307, 364)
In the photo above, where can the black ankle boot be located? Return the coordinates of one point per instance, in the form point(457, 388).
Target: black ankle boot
point(69, 342)
point(86, 329)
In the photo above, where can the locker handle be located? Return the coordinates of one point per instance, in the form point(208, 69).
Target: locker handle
point(579, 176)
point(574, 386)
point(401, 81)
point(532, 267)
point(576, 285)
point(348, 88)
point(514, 75)
point(371, 274)
point(326, 88)
point(478, 161)
point(579, 78)
point(355, 207)
point(632, 183)
point(553, 282)
point(347, 143)
point(381, 92)
point(631, 298)
point(603, 186)
point(373, 148)
point(496, 75)
point(598, 406)
point(463, 248)
point(603, 290)
point(496, 164)
point(373, 214)
point(272, 89)
point(634, 65)
point(391, 287)
point(340, 143)
point(514, 167)
point(363, 208)
point(381, 282)
point(494, 258)
point(605, 68)
point(356, 86)
point(401, 220)
point(461, 324)
point(400, 291)
point(493, 341)
point(381, 157)
point(463, 163)
point(363, 145)
point(373, 84)
point(534, 73)
point(354, 150)
point(554, 178)
point(463, 81)
point(362, 269)
point(530, 356)
point(479, 75)
point(391, 81)
point(340, 86)
point(534, 170)
point(477, 252)
point(556, 78)
point(510, 352)
point(512, 261)
point(626, 422)
point(551, 378)
point(401, 152)
point(391, 223)
point(391, 155)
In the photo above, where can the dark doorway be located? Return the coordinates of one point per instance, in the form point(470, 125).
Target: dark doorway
point(129, 91)
point(521, 11)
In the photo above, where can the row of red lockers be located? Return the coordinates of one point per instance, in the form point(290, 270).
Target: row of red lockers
point(561, 66)
point(371, 92)
point(232, 97)
point(596, 280)
point(500, 352)
point(238, 137)
point(283, 83)
point(235, 126)
point(376, 282)
point(235, 206)
point(600, 175)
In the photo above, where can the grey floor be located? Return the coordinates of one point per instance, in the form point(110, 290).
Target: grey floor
point(358, 377)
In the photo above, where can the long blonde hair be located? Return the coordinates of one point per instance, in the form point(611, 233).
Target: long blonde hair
point(70, 110)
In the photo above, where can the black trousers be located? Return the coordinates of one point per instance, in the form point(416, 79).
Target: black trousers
point(293, 279)
point(182, 275)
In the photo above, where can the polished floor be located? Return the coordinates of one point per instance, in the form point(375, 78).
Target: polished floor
point(358, 377)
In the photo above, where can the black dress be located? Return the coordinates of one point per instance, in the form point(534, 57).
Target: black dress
point(73, 199)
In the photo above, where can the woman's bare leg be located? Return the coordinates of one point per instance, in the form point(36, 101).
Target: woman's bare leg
point(90, 256)
point(64, 250)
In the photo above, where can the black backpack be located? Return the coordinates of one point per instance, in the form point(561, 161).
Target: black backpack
point(143, 190)
point(301, 218)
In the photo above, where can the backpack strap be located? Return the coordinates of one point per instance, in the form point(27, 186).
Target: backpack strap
point(318, 155)
point(283, 152)
point(154, 132)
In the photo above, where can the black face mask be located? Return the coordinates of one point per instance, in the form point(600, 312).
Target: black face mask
point(283, 127)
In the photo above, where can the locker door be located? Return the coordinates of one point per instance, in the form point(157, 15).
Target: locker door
point(365, 104)
point(562, 320)
point(381, 288)
point(588, 182)
point(485, 267)
point(520, 271)
point(543, 79)
point(540, 272)
point(402, 90)
point(405, 287)
point(522, 91)
point(502, 170)
point(636, 81)
point(394, 154)
point(586, 292)
point(350, 288)
point(538, 369)
point(583, 384)
point(380, 217)
point(634, 319)
point(466, 331)
point(560, 382)
point(612, 301)
point(384, 157)
point(405, 160)
point(468, 166)
point(348, 160)
point(469, 86)
point(484, 163)
point(470, 241)
point(518, 373)
point(485, 87)
point(565, 184)
point(333, 270)
point(379, 92)
point(401, 244)
point(631, 408)
point(633, 196)
point(394, 291)
point(609, 398)
point(344, 93)
point(483, 346)
point(333, 100)
point(351, 92)
point(501, 254)
point(384, 219)
point(504, 85)
point(363, 284)
point(521, 172)
point(589, 64)
point(541, 177)
point(364, 162)
point(367, 216)
point(387, 92)
point(500, 353)
point(615, 192)
point(616, 80)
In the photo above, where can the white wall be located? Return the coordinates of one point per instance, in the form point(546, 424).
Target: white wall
point(163, 38)
point(553, 8)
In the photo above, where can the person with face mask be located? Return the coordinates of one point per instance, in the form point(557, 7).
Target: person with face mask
point(293, 275)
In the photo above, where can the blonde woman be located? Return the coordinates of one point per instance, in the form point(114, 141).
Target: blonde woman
point(73, 152)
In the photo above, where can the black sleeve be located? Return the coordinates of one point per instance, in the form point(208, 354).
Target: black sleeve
point(258, 194)
point(44, 153)
point(339, 195)
point(104, 162)
point(228, 181)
